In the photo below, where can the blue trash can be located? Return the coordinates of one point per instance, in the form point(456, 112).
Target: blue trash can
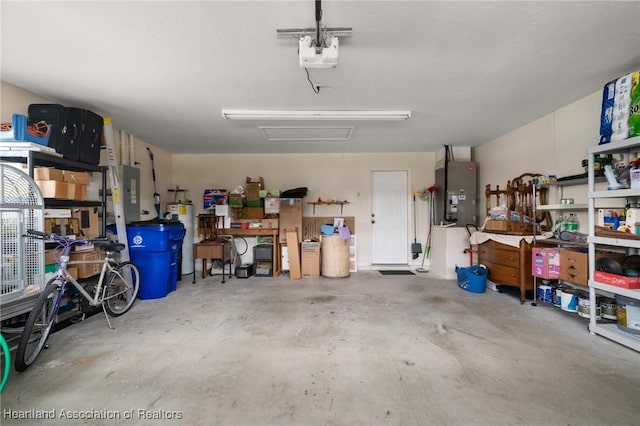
point(154, 246)
point(472, 278)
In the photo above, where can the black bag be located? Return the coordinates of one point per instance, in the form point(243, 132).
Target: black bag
point(54, 115)
point(91, 139)
point(300, 192)
point(67, 127)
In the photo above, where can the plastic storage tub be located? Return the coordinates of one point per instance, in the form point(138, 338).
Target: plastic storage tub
point(154, 246)
point(472, 278)
point(18, 132)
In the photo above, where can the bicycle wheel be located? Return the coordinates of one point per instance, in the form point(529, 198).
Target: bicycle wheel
point(38, 327)
point(6, 362)
point(121, 289)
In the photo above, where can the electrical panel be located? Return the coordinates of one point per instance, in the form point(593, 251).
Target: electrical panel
point(130, 177)
point(456, 193)
point(130, 193)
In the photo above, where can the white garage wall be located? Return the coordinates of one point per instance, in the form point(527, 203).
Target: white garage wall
point(555, 144)
point(328, 176)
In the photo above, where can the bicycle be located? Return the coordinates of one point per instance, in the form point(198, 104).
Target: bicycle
point(115, 291)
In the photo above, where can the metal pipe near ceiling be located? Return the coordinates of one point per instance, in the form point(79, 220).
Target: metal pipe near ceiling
point(122, 150)
point(318, 19)
point(132, 152)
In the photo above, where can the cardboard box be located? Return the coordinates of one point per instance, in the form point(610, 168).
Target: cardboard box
point(82, 178)
point(61, 226)
point(272, 205)
point(263, 269)
point(79, 192)
point(617, 280)
point(252, 188)
point(255, 213)
point(214, 197)
point(310, 258)
point(51, 257)
point(290, 217)
point(235, 200)
point(495, 225)
point(270, 223)
point(89, 269)
point(274, 193)
point(311, 226)
point(47, 173)
point(55, 189)
point(545, 263)
point(73, 271)
point(222, 210)
point(574, 265)
point(88, 221)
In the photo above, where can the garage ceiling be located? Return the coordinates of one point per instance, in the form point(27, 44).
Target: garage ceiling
point(468, 71)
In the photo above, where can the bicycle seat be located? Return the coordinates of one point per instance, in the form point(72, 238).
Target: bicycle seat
point(110, 245)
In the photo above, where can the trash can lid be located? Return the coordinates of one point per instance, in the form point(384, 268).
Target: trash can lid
point(155, 222)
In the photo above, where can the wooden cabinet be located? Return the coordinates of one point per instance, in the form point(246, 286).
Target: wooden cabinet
point(508, 265)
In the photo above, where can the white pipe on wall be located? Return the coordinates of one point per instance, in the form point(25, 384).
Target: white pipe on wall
point(122, 152)
point(132, 157)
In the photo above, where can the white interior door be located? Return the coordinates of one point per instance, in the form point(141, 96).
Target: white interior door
point(389, 224)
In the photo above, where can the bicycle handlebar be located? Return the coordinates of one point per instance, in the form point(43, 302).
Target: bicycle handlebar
point(65, 240)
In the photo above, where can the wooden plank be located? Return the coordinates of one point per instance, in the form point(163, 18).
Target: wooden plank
point(293, 247)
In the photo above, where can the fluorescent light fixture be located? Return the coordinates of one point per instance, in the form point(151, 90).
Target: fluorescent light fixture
point(252, 114)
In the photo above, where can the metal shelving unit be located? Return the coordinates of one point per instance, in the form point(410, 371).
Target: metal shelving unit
point(45, 159)
point(610, 331)
point(558, 207)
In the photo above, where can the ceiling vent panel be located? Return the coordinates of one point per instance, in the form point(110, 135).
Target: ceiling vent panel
point(306, 133)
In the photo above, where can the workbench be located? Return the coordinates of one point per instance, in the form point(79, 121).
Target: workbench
point(219, 248)
point(260, 232)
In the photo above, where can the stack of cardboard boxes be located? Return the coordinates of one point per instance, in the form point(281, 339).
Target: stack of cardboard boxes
point(81, 222)
point(62, 184)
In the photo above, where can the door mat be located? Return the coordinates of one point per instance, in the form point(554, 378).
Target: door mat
point(395, 272)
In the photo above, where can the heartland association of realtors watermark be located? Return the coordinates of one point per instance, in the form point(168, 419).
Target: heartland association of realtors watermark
point(102, 414)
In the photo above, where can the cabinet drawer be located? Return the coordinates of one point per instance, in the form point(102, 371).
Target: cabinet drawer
point(499, 256)
point(501, 274)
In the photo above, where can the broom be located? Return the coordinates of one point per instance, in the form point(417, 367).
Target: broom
point(427, 249)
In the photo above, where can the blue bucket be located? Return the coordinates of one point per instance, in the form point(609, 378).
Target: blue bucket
point(472, 278)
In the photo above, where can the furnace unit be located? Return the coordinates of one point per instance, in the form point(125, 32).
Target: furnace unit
point(455, 193)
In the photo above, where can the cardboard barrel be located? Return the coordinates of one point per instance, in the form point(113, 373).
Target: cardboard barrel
point(335, 257)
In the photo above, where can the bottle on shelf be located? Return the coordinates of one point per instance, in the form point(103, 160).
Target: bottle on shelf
point(572, 224)
point(559, 226)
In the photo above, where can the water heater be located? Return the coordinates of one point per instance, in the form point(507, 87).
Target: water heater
point(456, 193)
point(184, 213)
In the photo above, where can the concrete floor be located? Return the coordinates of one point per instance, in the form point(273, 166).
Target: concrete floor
point(367, 350)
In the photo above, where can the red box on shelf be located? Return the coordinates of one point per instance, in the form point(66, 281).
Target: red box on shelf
point(617, 280)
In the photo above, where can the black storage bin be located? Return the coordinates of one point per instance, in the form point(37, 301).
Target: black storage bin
point(263, 252)
point(263, 260)
point(91, 139)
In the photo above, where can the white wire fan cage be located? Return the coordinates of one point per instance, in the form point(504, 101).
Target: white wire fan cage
point(21, 208)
